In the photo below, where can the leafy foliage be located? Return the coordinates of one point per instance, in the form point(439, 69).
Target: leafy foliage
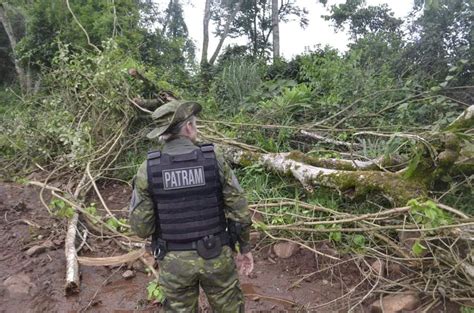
point(155, 292)
point(50, 21)
point(254, 21)
point(61, 209)
point(236, 81)
point(428, 214)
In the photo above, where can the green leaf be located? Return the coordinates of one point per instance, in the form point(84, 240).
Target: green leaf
point(359, 240)
point(259, 226)
point(418, 248)
point(91, 210)
point(453, 69)
point(403, 106)
point(335, 236)
point(155, 292)
point(113, 223)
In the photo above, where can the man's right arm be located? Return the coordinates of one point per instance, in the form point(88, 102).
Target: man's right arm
point(142, 213)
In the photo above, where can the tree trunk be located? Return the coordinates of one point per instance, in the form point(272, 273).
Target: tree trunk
point(255, 35)
point(23, 77)
point(357, 183)
point(276, 31)
point(167, 19)
point(205, 40)
point(205, 66)
point(230, 19)
point(464, 121)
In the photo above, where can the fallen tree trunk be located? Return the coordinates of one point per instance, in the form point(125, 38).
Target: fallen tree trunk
point(380, 163)
point(72, 267)
point(464, 122)
point(391, 185)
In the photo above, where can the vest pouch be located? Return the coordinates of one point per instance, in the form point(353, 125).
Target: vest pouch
point(209, 247)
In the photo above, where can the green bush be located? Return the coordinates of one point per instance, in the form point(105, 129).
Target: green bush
point(237, 80)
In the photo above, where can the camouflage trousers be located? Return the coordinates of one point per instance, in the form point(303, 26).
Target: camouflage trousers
point(182, 272)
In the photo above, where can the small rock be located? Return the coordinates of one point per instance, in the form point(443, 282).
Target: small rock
point(326, 249)
point(138, 266)
point(35, 250)
point(285, 250)
point(48, 244)
point(111, 198)
point(395, 303)
point(128, 274)
point(377, 267)
point(254, 238)
point(395, 268)
point(18, 285)
point(40, 237)
point(325, 282)
point(252, 275)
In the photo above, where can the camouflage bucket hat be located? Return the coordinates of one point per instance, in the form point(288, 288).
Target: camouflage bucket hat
point(171, 114)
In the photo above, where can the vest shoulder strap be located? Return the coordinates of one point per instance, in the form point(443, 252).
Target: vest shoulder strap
point(207, 147)
point(153, 155)
point(208, 150)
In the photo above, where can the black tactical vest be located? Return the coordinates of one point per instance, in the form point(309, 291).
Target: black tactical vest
point(187, 193)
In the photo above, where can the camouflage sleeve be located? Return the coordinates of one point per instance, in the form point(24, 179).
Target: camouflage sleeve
point(142, 214)
point(235, 203)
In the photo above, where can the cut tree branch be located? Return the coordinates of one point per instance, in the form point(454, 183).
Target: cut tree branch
point(338, 143)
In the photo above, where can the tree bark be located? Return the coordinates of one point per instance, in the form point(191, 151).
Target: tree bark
point(377, 164)
point(276, 31)
point(72, 266)
point(357, 183)
point(205, 40)
point(25, 81)
point(464, 121)
point(167, 19)
point(255, 36)
point(230, 19)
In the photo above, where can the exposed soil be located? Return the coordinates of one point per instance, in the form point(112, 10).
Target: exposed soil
point(36, 283)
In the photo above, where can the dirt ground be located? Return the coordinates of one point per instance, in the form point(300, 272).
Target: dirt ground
point(36, 283)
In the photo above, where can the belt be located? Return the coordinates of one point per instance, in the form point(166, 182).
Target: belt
point(192, 245)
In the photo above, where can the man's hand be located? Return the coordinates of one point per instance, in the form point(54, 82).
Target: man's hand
point(244, 263)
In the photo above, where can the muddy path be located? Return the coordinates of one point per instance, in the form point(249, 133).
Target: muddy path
point(32, 278)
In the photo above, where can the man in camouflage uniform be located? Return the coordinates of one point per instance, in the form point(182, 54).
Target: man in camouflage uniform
point(182, 272)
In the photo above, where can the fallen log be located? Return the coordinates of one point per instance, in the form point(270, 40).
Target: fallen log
point(465, 121)
point(72, 267)
point(392, 185)
point(380, 163)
